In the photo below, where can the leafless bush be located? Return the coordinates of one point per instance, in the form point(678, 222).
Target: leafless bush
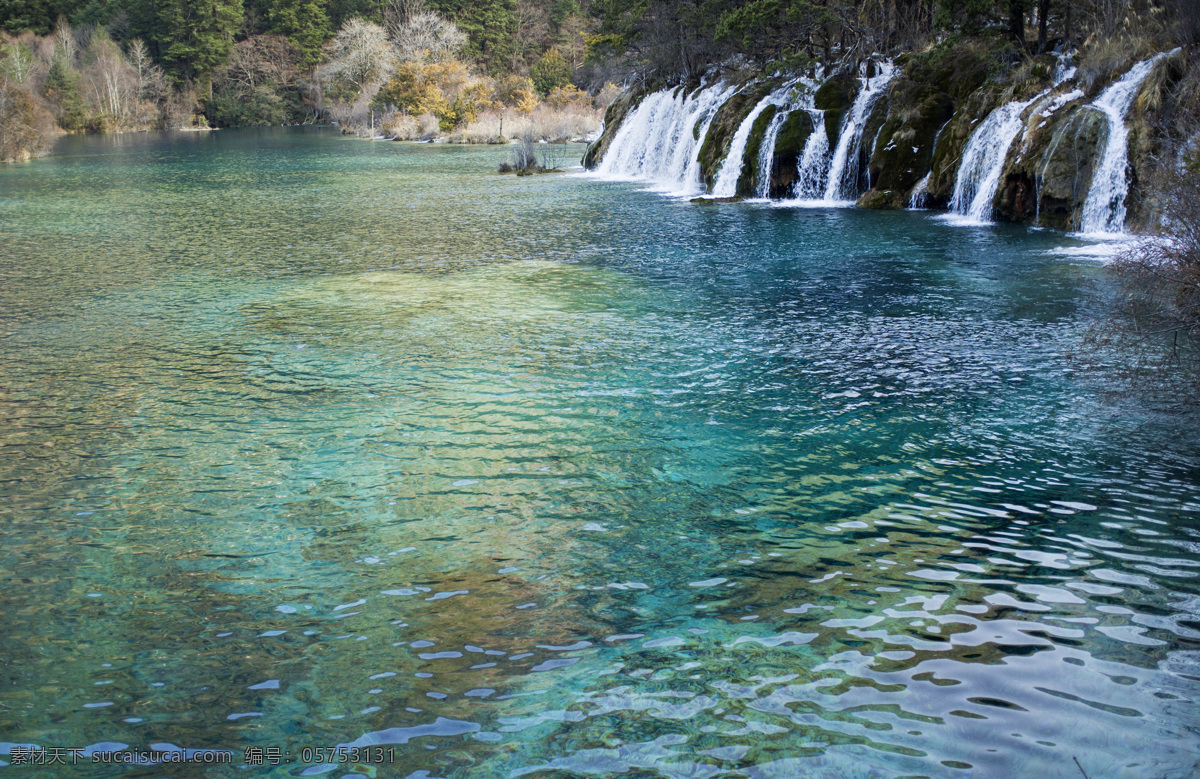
point(403, 127)
point(427, 37)
point(487, 128)
point(1155, 319)
point(26, 127)
point(525, 154)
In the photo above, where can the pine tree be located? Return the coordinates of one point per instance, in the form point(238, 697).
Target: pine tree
point(16, 16)
point(62, 90)
point(304, 22)
point(194, 36)
point(490, 24)
point(550, 72)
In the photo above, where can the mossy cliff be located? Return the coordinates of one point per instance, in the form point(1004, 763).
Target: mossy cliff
point(614, 115)
point(789, 147)
point(747, 184)
point(724, 126)
point(917, 131)
point(1049, 171)
point(835, 97)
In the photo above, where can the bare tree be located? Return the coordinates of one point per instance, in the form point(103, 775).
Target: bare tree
point(427, 37)
point(65, 40)
point(532, 28)
point(263, 58)
point(111, 83)
point(398, 13)
point(17, 64)
point(360, 54)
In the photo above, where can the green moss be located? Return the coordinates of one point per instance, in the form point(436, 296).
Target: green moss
point(789, 147)
point(904, 150)
point(948, 153)
point(748, 182)
point(723, 127)
point(881, 198)
point(957, 69)
point(835, 97)
point(1048, 178)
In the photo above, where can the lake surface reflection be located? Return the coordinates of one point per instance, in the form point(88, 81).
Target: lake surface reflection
point(308, 441)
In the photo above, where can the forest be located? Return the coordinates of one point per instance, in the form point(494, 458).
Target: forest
point(419, 68)
point(414, 68)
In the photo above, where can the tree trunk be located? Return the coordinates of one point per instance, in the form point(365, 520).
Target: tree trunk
point(1016, 20)
point(1043, 20)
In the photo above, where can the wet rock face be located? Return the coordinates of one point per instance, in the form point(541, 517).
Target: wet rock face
point(907, 144)
point(903, 152)
point(952, 141)
point(789, 147)
point(724, 126)
point(1048, 172)
point(614, 115)
point(835, 97)
point(747, 184)
point(1066, 167)
point(1152, 110)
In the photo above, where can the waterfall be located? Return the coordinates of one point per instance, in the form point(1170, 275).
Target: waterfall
point(920, 193)
point(983, 161)
point(659, 142)
point(766, 152)
point(1064, 66)
point(918, 200)
point(813, 168)
point(1104, 209)
point(731, 168)
point(842, 184)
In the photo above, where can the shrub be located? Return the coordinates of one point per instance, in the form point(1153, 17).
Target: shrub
point(563, 96)
point(62, 90)
point(1156, 318)
point(26, 127)
point(550, 72)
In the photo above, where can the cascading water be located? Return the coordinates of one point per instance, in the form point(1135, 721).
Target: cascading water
point(813, 168)
point(1064, 66)
point(799, 98)
point(731, 169)
point(918, 199)
point(1104, 208)
point(842, 183)
point(983, 161)
point(920, 193)
point(659, 142)
point(766, 152)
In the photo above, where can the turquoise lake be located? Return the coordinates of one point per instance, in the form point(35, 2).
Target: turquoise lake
point(308, 441)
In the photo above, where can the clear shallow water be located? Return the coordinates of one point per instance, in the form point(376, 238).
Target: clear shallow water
point(310, 441)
